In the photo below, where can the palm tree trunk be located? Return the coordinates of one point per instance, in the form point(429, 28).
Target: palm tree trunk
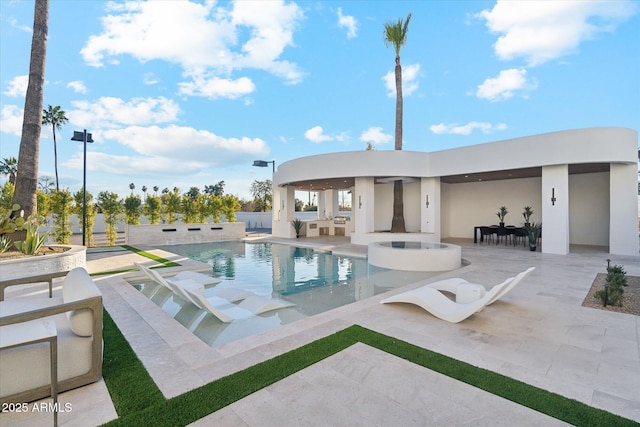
point(399, 103)
point(55, 155)
point(397, 223)
point(27, 176)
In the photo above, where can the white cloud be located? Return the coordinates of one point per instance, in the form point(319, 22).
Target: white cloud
point(375, 135)
point(271, 24)
point(17, 87)
point(348, 22)
point(11, 118)
point(316, 134)
point(150, 79)
point(14, 23)
point(410, 74)
point(539, 31)
point(111, 112)
point(205, 39)
point(454, 128)
point(77, 86)
point(215, 87)
point(505, 85)
point(170, 151)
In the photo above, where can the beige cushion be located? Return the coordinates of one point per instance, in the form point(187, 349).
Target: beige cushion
point(27, 367)
point(77, 285)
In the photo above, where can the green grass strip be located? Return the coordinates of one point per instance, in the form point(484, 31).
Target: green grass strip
point(198, 403)
point(165, 262)
point(106, 273)
point(130, 385)
point(546, 402)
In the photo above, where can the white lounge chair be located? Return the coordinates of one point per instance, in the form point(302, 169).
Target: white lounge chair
point(258, 305)
point(231, 294)
point(455, 285)
point(177, 287)
point(219, 307)
point(152, 275)
point(436, 303)
point(516, 280)
point(202, 279)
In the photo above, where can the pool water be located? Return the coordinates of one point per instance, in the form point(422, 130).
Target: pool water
point(315, 281)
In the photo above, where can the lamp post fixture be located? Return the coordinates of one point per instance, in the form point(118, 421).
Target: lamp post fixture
point(264, 164)
point(84, 137)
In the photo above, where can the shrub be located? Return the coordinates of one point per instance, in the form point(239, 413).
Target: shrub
point(61, 208)
point(5, 244)
point(91, 213)
point(614, 288)
point(132, 209)
point(171, 204)
point(34, 240)
point(112, 208)
point(152, 209)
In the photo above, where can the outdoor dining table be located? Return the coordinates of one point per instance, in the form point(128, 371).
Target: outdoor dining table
point(478, 227)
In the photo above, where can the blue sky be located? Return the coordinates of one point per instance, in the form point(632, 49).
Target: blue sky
point(189, 93)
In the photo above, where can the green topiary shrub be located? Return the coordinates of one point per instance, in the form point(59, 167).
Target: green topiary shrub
point(614, 288)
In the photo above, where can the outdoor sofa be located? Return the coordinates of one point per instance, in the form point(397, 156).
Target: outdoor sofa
point(25, 370)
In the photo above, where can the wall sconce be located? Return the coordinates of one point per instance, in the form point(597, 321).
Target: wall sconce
point(553, 196)
point(427, 203)
point(359, 201)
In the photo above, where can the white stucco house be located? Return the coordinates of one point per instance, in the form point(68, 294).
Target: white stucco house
point(581, 184)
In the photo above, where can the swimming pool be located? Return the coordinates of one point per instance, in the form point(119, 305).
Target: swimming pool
point(313, 280)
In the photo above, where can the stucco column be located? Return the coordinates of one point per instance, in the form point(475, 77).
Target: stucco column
point(283, 211)
point(430, 206)
point(555, 209)
point(364, 205)
point(322, 205)
point(623, 205)
point(331, 203)
point(288, 203)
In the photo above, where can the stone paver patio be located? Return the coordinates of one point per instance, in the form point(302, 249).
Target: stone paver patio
point(538, 333)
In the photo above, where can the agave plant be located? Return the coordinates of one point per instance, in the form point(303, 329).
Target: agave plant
point(33, 241)
point(502, 213)
point(297, 225)
point(527, 214)
point(5, 244)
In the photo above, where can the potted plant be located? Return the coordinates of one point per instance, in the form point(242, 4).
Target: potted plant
point(533, 231)
point(501, 214)
point(527, 215)
point(297, 225)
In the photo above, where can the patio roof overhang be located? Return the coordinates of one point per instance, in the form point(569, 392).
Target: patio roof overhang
point(347, 182)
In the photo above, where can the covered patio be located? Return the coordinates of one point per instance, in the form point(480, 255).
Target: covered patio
point(581, 184)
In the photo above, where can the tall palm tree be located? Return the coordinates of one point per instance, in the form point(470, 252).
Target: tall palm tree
point(9, 167)
point(27, 176)
point(396, 34)
point(54, 116)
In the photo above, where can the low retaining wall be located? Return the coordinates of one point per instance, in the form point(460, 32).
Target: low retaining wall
point(367, 238)
point(415, 256)
point(41, 268)
point(174, 234)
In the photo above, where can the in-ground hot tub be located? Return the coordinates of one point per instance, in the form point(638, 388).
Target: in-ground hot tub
point(415, 256)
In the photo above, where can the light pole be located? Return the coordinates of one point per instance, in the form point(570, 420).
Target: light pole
point(84, 137)
point(264, 164)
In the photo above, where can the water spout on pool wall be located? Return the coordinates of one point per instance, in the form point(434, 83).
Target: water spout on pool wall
point(415, 256)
